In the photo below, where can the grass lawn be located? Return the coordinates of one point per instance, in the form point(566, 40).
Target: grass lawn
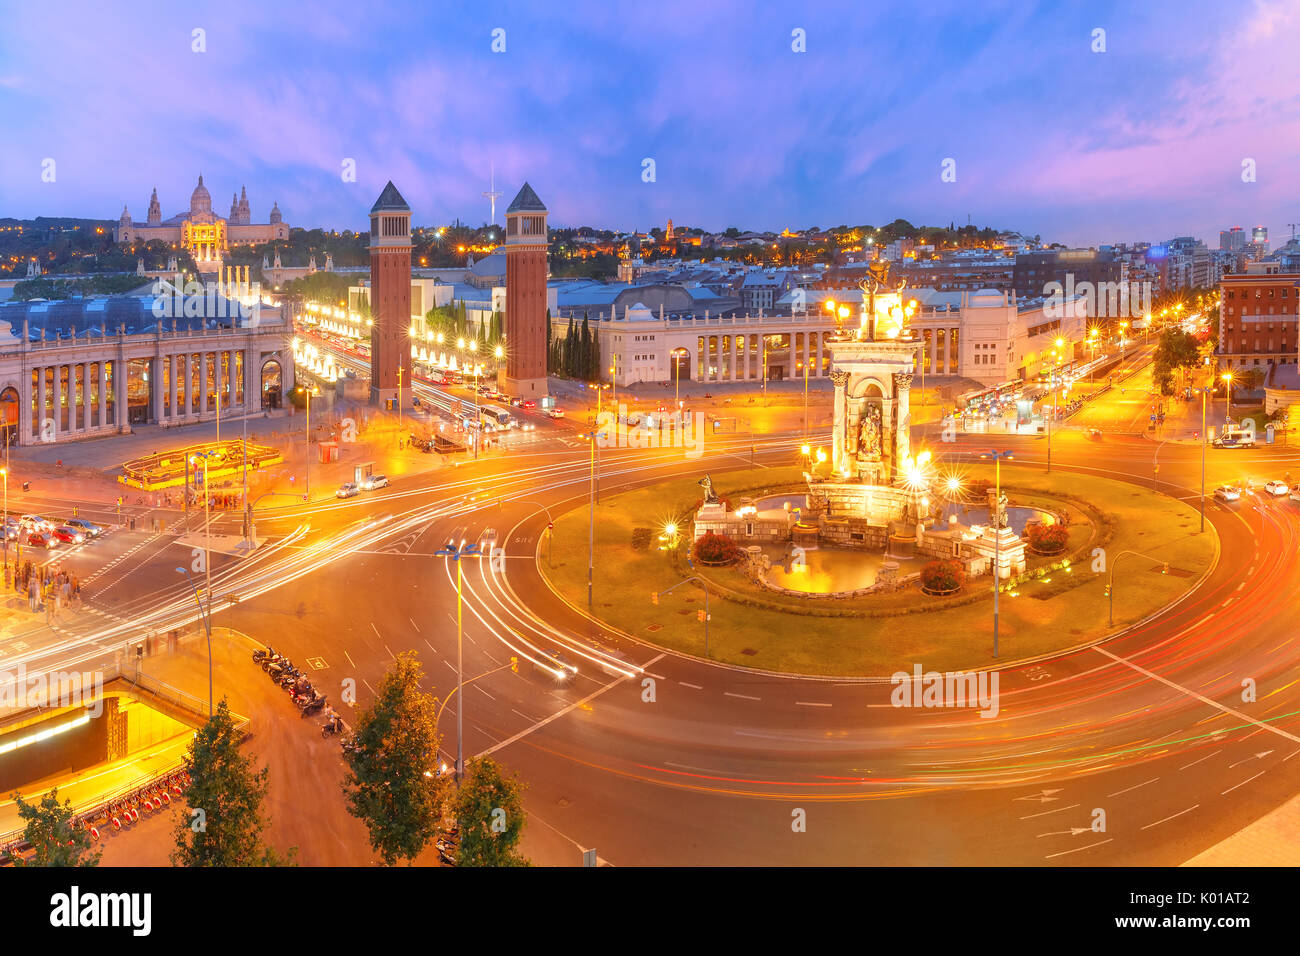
point(879, 635)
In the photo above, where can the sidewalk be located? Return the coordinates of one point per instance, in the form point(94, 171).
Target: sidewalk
point(1272, 840)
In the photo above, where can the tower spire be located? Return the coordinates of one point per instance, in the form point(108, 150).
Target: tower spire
point(492, 195)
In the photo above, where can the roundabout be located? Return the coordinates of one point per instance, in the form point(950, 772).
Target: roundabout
point(816, 628)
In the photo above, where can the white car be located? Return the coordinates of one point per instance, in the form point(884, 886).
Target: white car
point(1277, 488)
point(371, 482)
point(1227, 493)
point(348, 490)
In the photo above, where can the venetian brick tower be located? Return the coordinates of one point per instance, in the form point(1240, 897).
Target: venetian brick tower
point(524, 374)
point(390, 298)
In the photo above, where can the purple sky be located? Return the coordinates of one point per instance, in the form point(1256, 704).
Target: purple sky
point(1143, 141)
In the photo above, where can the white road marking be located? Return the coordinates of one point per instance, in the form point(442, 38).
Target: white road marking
point(1167, 819)
point(1046, 812)
point(1077, 849)
point(727, 693)
point(1201, 697)
point(560, 713)
point(1242, 784)
point(1195, 762)
point(350, 660)
point(1118, 792)
point(691, 686)
point(809, 703)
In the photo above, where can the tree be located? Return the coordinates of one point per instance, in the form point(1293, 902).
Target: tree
point(1175, 350)
point(595, 371)
point(225, 823)
point(389, 785)
point(582, 363)
point(489, 809)
point(52, 831)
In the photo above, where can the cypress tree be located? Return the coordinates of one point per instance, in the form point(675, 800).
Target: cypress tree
point(595, 355)
point(584, 353)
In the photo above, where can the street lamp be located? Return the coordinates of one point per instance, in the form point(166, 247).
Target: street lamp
point(1227, 378)
point(308, 392)
point(995, 513)
point(5, 473)
point(593, 436)
point(206, 612)
point(456, 552)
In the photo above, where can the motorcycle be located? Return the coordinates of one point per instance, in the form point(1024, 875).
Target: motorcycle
point(314, 705)
point(307, 696)
point(332, 726)
point(262, 654)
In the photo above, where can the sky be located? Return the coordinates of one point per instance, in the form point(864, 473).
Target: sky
point(1143, 141)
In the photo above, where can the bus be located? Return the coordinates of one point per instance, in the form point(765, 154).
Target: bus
point(495, 418)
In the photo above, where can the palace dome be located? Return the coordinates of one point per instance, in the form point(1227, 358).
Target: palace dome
point(200, 199)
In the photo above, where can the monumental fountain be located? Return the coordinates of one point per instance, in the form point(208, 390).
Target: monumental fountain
point(874, 494)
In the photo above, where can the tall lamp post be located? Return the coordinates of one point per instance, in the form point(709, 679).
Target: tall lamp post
point(1227, 379)
point(206, 612)
point(5, 532)
point(1204, 390)
point(456, 552)
point(593, 437)
point(996, 516)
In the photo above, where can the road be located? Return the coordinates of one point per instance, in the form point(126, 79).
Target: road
point(1150, 728)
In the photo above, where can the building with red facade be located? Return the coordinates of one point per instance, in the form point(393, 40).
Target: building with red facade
point(1259, 319)
point(524, 374)
point(390, 299)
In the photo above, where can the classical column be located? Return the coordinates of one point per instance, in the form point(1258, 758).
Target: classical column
point(902, 432)
point(120, 400)
point(103, 393)
point(156, 388)
point(87, 417)
point(841, 379)
point(25, 413)
point(171, 387)
point(40, 409)
point(60, 397)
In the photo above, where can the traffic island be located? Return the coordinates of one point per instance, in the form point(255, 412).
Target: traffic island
point(643, 548)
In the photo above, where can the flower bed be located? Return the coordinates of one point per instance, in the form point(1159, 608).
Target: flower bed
point(941, 578)
point(1047, 539)
point(715, 550)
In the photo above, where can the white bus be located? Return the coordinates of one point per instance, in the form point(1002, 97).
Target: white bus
point(496, 418)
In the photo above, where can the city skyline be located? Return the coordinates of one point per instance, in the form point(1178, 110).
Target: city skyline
point(282, 112)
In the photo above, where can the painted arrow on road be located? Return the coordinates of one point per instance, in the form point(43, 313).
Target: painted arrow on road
point(1042, 797)
point(1259, 756)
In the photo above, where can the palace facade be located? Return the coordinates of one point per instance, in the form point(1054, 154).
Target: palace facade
point(204, 234)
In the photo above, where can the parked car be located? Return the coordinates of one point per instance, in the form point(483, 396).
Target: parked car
point(37, 522)
point(88, 528)
point(69, 535)
point(1227, 493)
point(347, 490)
point(371, 482)
point(1277, 488)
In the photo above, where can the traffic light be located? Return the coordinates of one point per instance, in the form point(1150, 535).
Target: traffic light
point(1106, 593)
point(654, 597)
point(514, 664)
point(699, 616)
point(1165, 569)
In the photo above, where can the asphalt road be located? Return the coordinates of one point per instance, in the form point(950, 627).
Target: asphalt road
point(1150, 728)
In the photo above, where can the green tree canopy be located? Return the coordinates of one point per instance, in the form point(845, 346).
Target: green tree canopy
point(51, 829)
point(225, 823)
point(389, 785)
point(489, 809)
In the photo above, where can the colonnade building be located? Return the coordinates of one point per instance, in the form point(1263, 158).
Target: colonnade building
point(988, 336)
point(81, 368)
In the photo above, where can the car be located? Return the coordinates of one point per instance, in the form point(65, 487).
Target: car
point(517, 402)
point(37, 522)
point(41, 540)
point(553, 661)
point(69, 535)
point(371, 482)
point(1277, 488)
point(555, 412)
point(529, 403)
point(1233, 441)
point(1227, 493)
point(348, 489)
point(88, 528)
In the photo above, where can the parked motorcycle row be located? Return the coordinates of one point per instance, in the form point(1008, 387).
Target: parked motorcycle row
point(293, 680)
